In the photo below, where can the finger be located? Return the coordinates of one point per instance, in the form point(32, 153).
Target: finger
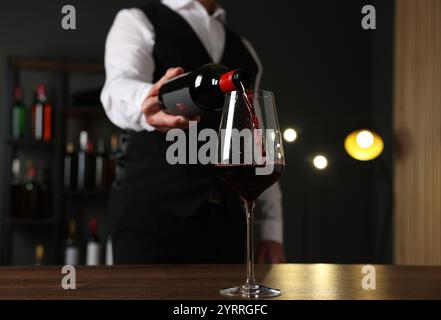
point(162, 119)
point(163, 129)
point(170, 74)
point(151, 105)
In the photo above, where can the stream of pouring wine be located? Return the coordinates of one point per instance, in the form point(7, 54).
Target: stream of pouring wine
point(260, 144)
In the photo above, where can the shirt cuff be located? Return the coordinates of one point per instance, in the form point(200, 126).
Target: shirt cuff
point(271, 230)
point(142, 94)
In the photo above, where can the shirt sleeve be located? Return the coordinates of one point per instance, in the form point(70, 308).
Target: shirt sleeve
point(269, 218)
point(129, 69)
point(269, 213)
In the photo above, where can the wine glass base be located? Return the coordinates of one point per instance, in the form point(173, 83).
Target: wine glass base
point(255, 291)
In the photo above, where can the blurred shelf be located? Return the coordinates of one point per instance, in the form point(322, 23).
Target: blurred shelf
point(86, 193)
point(30, 143)
point(56, 65)
point(31, 221)
point(85, 111)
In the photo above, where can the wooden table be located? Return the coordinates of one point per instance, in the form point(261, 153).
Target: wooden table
point(314, 281)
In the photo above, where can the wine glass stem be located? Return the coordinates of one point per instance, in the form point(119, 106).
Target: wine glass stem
point(250, 244)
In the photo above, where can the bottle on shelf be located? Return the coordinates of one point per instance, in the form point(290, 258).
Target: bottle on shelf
point(109, 251)
point(70, 167)
point(93, 245)
point(72, 249)
point(111, 163)
point(16, 189)
point(30, 192)
point(18, 114)
point(85, 172)
point(203, 89)
point(39, 255)
point(42, 115)
point(100, 166)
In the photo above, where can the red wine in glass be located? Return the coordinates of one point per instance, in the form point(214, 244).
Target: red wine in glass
point(244, 180)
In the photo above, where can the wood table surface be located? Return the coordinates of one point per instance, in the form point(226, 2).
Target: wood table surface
point(297, 281)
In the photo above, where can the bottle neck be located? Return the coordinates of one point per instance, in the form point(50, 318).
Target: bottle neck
point(238, 79)
point(18, 94)
point(93, 227)
point(41, 93)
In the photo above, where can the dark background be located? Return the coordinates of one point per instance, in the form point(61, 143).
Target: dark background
point(329, 76)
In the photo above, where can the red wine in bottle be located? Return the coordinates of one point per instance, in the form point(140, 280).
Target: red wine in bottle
point(93, 245)
point(243, 179)
point(18, 114)
point(202, 90)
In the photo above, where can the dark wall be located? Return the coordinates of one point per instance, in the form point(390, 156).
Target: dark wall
point(329, 75)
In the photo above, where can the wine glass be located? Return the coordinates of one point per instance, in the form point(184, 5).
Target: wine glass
point(250, 160)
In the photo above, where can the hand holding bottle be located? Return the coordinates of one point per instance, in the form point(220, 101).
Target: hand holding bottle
point(155, 114)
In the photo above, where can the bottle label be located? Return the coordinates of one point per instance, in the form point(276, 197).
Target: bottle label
point(93, 254)
point(72, 256)
point(39, 122)
point(179, 102)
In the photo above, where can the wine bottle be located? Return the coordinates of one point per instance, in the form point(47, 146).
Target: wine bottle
point(100, 165)
point(30, 192)
point(47, 120)
point(93, 245)
point(72, 250)
point(203, 89)
point(16, 190)
point(39, 255)
point(70, 166)
point(109, 251)
point(38, 112)
point(18, 114)
point(85, 177)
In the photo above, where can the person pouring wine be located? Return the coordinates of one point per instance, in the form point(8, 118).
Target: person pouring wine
point(162, 213)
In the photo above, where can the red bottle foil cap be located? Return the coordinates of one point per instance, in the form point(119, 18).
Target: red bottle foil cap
point(226, 82)
point(41, 91)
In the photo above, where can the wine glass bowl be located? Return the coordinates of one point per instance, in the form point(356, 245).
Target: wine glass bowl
point(250, 160)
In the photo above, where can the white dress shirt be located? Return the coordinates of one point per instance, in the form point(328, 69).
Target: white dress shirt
point(130, 66)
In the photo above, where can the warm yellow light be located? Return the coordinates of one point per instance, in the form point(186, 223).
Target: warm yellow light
point(290, 135)
point(364, 145)
point(320, 162)
point(364, 139)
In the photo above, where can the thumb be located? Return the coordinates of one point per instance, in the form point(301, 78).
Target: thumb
point(170, 74)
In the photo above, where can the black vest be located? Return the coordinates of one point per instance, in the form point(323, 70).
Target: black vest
point(174, 189)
